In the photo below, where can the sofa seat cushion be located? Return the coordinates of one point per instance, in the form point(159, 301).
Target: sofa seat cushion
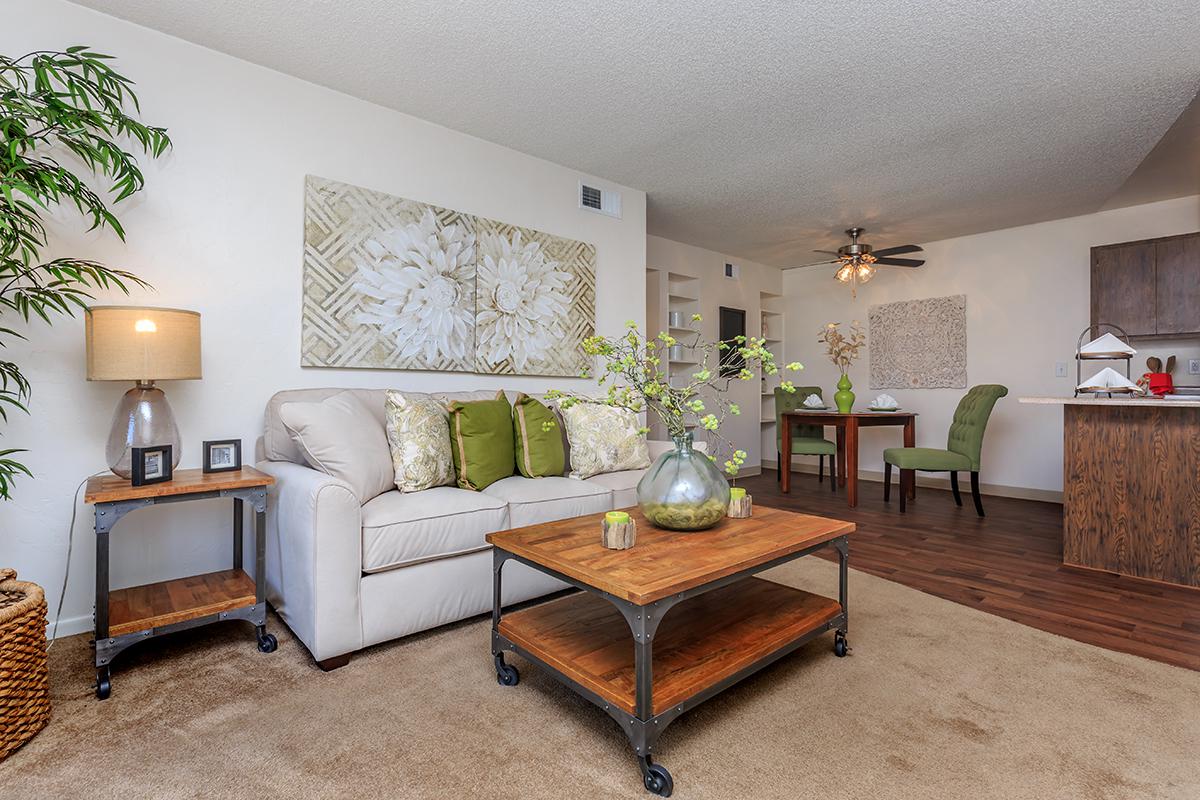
point(535, 500)
point(402, 528)
point(622, 484)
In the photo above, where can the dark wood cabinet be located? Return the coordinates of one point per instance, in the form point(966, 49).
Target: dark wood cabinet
point(1149, 287)
point(1178, 282)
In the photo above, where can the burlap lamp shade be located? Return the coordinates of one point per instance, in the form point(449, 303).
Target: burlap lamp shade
point(141, 344)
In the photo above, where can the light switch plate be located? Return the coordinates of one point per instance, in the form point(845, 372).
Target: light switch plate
point(1194, 366)
point(1060, 369)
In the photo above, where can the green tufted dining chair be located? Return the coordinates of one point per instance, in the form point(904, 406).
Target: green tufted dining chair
point(962, 448)
point(807, 440)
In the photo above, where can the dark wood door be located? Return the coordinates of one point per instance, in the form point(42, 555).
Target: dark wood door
point(1178, 284)
point(1123, 287)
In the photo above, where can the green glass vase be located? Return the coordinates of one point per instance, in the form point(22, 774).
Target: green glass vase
point(843, 397)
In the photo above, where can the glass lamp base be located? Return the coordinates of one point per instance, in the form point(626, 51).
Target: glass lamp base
point(143, 419)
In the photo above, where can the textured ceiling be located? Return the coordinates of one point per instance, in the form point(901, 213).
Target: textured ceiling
point(757, 128)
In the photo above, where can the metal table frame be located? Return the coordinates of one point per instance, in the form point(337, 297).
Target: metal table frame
point(644, 727)
point(108, 514)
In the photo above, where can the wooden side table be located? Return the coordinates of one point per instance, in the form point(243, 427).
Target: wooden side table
point(138, 613)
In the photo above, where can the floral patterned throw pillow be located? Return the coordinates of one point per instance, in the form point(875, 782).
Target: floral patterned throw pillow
point(604, 439)
point(419, 438)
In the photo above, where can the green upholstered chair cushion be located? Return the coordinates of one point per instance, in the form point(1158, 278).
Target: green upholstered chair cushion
point(807, 440)
point(970, 420)
point(806, 446)
point(926, 458)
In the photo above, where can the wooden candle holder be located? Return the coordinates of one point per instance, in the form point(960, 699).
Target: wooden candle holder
point(740, 508)
point(618, 535)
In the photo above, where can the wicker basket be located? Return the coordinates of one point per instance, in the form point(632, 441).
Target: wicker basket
point(24, 675)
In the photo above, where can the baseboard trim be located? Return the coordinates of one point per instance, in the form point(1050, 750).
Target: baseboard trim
point(935, 482)
point(69, 626)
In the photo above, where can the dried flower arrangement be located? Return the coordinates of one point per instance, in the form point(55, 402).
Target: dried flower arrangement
point(842, 350)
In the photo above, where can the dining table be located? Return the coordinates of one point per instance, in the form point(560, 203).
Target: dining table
point(847, 426)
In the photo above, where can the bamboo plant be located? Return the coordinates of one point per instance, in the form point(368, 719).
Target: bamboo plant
point(63, 121)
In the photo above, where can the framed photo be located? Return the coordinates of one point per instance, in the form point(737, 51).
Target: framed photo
point(223, 455)
point(152, 464)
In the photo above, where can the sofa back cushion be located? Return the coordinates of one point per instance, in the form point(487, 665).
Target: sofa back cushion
point(277, 441)
point(341, 437)
point(481, 440)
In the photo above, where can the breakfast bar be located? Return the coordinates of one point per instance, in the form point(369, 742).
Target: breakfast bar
point(1131, 486)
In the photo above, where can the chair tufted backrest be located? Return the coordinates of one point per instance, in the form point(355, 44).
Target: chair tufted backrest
point(790, 401)
point(971, 418)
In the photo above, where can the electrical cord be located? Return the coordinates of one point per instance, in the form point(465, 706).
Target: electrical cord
point(62, 595)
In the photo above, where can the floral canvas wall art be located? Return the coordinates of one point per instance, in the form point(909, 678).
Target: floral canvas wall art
point(391, 283)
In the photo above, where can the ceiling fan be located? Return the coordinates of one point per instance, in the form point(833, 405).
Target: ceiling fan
point(858, 260)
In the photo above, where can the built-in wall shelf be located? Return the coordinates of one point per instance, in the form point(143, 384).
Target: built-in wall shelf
point(770, 306)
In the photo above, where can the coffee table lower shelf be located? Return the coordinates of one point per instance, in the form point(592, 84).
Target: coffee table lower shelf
point(702, 642)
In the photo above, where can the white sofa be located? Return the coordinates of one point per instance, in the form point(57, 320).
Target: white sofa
point(345, 575)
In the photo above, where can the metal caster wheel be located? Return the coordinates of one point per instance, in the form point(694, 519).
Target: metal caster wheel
point(840, 647)
point(267, 643)
point(507, 675)
point(657, 780)
point(103, 684)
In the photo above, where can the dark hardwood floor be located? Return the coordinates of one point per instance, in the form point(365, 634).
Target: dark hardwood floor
point(1008, 564)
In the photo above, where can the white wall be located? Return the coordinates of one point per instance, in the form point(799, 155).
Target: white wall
point(1028, 299)
point(219, 230)
point(715, 291)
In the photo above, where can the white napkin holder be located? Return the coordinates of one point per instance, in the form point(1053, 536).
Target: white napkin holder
point(813, 401)
point(885, 401)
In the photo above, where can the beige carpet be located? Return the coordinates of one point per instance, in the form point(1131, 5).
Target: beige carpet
point(936, 701)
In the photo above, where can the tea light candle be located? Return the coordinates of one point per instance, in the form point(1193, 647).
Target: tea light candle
point(739, 503)
point(617, 530)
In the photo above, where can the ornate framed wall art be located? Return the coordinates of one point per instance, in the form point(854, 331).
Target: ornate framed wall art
point(919, 344)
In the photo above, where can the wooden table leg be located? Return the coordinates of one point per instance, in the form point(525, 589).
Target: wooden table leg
point(910, 440)
point(851, 458)
point(841, 455)
point(785, 455)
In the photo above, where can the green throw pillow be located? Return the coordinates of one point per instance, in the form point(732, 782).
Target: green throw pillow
point(481, 439)
point(538, 439)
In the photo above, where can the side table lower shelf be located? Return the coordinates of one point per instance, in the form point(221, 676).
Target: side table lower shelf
point(156, 605)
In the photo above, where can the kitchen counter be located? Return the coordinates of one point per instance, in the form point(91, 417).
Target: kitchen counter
point(1130, 499)
point(1142, 402)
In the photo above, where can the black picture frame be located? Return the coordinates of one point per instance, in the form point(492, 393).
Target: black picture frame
point(731, 323)
point(232, 466)
point(159, 458)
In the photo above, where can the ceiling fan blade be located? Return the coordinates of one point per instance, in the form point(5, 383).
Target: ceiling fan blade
point(897, 251)
point(900, 262)
point(814, 264)
point(828, 252)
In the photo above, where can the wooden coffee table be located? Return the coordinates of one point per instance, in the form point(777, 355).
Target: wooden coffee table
point(718, 623)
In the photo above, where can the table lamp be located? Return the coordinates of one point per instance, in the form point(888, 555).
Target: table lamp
point(144, 345)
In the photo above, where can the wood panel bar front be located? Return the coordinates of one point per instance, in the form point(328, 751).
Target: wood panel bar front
point(1131, 489)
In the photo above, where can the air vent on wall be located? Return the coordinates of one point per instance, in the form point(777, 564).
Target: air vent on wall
point(732, 271)
point(601, 201)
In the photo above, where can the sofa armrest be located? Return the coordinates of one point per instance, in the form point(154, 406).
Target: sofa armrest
point(314, 557)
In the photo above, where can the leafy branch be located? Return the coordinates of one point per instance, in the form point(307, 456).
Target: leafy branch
point(56, 104)
point(634, 379)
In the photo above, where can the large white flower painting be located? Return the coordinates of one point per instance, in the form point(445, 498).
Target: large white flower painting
point(397, 284)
